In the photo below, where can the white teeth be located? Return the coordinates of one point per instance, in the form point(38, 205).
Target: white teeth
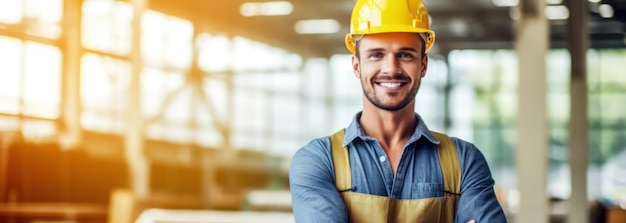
point(390, 85)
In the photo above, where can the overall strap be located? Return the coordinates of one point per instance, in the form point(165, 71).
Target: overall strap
point(448, 158)
point(341, 161)
point(450, 165)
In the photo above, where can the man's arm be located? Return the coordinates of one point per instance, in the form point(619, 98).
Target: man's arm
point(478, 201)
point(311, 178)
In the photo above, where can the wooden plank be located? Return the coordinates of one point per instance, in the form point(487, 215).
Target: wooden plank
point(212, 216)
point(54, 210)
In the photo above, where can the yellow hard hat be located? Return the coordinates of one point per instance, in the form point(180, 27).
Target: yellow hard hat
point(385, 16)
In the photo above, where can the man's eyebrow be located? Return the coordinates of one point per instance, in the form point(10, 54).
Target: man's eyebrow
point(411, 49)
point(408, 49)
point(375, 50)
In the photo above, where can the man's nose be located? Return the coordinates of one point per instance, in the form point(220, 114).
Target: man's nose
point(390, 65)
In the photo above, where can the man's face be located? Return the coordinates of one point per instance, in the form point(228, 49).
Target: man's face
point(390, 66)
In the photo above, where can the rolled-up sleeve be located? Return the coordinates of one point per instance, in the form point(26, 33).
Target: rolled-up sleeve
point(312, 185)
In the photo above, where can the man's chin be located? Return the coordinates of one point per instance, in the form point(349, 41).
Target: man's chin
point(391, 107)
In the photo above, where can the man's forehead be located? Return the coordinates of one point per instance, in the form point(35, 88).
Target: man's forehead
point(402, 39)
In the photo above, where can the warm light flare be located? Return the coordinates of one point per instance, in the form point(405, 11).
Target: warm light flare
point(274, 8)
point(317, 26)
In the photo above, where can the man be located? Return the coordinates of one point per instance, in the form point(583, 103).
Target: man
point(386, 166)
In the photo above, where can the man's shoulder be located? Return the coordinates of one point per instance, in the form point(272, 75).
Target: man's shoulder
point(464, 147)
point(315, 154)
point(318, 146)
point(461, 142)
point(318, 143)
point(469, 154)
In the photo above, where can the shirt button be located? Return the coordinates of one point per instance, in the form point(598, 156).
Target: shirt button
point(382, 159)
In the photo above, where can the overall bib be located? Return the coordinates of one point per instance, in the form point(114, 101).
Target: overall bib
point(378, 209)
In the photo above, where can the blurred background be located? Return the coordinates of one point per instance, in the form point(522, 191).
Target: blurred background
point(190, 110)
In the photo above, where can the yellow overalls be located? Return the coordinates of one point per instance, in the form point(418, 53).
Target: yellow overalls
point(376, 209)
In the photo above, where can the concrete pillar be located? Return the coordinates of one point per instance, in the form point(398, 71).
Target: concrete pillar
point(226, 126)
point(578, 38)
point(70, 103)
point(329, 99)
point(532, 124)
point(137, 162)
point(451, 82)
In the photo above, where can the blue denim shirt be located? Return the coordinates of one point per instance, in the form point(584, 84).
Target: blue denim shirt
point(316, 199)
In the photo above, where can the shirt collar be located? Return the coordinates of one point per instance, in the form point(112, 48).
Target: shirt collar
point(354, 131)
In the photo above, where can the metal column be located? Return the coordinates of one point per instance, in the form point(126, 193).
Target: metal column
point(532, 124)
point(71, 48)
point(578, 36)
point(134, 143)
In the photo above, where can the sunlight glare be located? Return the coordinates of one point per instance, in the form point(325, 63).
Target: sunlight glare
point(45, 11)
point(214, 55)
point(179, 36)
point(11, 11)
point(152, 48)
point(106, 26)
point(95, 84)
point(10, 87)
point(42, 78)
point(10, 57)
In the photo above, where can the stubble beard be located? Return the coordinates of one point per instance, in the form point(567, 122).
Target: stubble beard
point(376, 101)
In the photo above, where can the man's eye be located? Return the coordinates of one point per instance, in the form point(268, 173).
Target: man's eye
point(376, 55)
point(406, 56)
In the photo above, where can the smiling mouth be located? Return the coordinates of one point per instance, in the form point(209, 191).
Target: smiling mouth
point(390, 85)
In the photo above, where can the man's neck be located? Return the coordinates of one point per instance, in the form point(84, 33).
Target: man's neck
point(390, 128)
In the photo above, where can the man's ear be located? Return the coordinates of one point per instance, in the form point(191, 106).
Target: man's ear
point(424, 64)
point(356, 67)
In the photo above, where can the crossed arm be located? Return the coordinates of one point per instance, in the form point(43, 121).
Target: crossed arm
point(316, 199)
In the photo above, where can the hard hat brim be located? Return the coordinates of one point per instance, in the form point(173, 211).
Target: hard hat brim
point(351, 42)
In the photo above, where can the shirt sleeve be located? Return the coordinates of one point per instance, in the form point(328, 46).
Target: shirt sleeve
point(312, 184)
point(478, 200)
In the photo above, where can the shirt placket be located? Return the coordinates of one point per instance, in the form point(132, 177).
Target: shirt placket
point(398, 180)
point(383, 161)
